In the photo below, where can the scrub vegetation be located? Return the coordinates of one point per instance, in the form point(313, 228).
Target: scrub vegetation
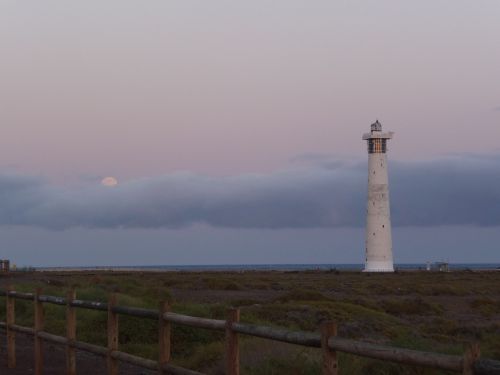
point(418, 310)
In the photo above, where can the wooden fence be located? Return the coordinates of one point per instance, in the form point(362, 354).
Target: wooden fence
point(328, 341)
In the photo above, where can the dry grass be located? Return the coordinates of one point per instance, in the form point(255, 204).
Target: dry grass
point(421, 310)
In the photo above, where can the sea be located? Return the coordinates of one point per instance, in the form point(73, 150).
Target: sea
point(275, 267)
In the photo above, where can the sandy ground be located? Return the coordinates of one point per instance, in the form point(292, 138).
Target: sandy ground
point(54, 360)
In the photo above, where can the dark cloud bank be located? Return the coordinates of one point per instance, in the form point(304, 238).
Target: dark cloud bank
point(456, 190)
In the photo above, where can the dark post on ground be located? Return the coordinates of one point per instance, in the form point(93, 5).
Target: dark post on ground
point(330, 367)
point(232, 343)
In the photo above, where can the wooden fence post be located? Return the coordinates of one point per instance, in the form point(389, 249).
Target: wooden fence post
point(232, 344)
point(471, 355)
point(39, 325)
point(330, 365)
point(11, 335)
point(112, 335)
point(163, 337)
point(70, 333)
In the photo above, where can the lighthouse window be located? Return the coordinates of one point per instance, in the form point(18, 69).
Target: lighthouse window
point(377, 146)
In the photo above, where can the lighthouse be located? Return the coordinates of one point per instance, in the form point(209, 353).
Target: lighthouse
point(378, 213)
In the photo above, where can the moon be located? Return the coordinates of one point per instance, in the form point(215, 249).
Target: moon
point(109, 181)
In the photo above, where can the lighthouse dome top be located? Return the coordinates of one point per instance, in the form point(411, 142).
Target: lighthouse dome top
point(376, 132)
point(376, 126)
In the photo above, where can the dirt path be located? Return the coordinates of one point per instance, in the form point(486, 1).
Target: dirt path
point(54, 360)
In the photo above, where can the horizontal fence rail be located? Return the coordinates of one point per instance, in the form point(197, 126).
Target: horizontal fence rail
point(327, 340)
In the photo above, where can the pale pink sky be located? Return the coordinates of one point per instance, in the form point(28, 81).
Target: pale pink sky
point(134, 88)
point(140, 89)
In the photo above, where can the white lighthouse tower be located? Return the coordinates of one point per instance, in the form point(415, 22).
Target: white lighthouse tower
point(378, 213)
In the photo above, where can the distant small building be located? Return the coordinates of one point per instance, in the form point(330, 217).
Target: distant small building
point(442, 266)
point(4, 265)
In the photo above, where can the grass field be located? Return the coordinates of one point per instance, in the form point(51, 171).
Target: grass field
point(418, 310)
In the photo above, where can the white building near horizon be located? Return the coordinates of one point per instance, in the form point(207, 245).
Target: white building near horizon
point(378, 214)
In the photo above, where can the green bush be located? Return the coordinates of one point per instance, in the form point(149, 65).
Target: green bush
point(302, 295)
point(410, 306)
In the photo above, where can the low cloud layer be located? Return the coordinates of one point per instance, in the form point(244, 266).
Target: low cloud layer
point(456, 190)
